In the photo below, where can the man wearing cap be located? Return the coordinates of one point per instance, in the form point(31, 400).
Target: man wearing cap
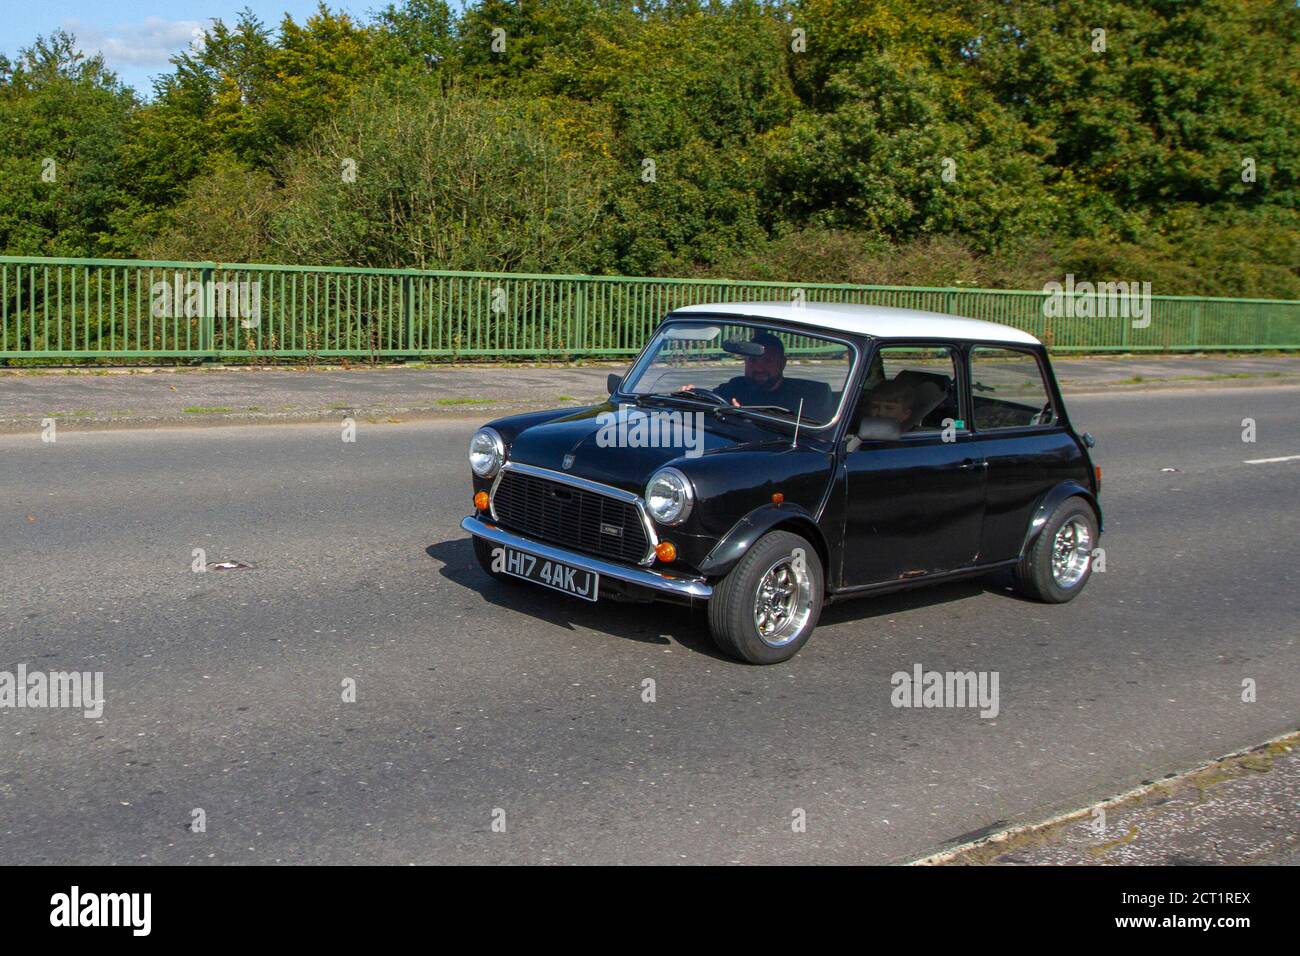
point(764, 383)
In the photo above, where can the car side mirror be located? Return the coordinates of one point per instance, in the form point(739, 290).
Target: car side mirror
point(613, 382)
point(1089, 440)
point(879, 429)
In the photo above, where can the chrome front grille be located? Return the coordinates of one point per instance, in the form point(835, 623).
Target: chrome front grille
point(570, 512)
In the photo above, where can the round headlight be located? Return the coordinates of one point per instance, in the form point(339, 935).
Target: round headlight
point(486, 452)
point(668, 496)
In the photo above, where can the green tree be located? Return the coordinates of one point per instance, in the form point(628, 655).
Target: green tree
point(312, 72)
point(418, 34)
point(64, 117)
point(688, 94)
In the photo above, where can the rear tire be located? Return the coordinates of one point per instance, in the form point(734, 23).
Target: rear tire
point(1059, 562)
point(765, 609)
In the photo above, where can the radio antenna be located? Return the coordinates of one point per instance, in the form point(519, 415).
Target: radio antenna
point(798, 417)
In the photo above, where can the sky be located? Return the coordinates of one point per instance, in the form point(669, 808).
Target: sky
point(137, 36)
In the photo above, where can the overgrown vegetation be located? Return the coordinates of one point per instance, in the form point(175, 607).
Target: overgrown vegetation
point(946, 142)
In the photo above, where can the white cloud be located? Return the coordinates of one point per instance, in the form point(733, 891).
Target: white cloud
point(149, 43)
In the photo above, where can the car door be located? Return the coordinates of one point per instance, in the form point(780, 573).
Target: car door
point(1019, 431)
point(914, 505)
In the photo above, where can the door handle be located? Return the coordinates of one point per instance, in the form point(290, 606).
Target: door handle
point(970, 463)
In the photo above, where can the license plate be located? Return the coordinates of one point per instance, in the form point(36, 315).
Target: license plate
point(553, 574)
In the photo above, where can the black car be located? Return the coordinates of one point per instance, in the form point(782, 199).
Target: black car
point(767, 458)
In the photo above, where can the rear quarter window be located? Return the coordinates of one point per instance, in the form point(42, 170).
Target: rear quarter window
point(1008, 389)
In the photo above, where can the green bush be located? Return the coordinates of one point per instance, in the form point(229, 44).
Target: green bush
point(438, 181)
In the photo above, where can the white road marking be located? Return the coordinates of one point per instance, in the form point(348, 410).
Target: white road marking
point(1269, 461)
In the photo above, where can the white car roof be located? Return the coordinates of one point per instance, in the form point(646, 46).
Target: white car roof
point(875, 320)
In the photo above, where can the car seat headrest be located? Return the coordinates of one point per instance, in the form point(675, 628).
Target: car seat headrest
point(928, 390)
point(926, 396)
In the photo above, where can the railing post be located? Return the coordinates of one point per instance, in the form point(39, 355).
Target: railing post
point(408, 312)
point(581, 289)
point(207, 326)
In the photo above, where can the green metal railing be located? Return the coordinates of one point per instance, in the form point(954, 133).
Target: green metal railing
point(75, 309)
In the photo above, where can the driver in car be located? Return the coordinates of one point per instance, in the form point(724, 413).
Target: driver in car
point(764, 378)
point(764, 383)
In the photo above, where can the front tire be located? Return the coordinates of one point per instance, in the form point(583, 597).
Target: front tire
point(765, 609)
point(1059, 563)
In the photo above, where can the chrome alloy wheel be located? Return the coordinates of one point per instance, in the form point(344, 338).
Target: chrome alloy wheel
point(1071, 549)
point(783, 601)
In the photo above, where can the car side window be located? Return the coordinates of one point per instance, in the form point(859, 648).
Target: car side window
point(1008, 389)
point(914, 385)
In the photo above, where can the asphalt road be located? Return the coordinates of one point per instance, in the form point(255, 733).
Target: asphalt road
point(224, 689)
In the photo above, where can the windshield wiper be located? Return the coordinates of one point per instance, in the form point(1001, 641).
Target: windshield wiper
point(757, 413)
point(674, 399)
point(760, 414)
point(779, 410)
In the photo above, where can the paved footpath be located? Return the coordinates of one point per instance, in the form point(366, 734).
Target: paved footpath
point(1244, 809)
point(225, 396)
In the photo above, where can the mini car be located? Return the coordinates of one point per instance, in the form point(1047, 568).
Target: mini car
point(763, 459)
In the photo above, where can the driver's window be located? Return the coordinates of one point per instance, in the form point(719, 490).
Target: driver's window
point(1008, 389)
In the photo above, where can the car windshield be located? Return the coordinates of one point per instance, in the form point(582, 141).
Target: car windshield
point(750, 365)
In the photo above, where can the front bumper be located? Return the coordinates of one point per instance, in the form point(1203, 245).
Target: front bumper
point(675, 584)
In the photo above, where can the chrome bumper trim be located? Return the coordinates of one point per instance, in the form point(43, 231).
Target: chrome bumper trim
point(655, 580)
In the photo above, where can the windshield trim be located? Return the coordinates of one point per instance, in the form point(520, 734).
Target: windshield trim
point(703, 317)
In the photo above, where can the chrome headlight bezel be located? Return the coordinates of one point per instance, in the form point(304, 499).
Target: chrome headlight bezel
point(495, 452)
point(683, 497)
